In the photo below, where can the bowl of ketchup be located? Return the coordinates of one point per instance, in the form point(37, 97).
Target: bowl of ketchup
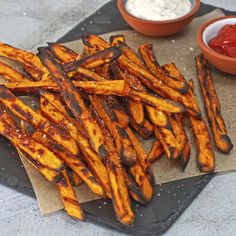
point(217, 40)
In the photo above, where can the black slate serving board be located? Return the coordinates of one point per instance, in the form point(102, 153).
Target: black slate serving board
point(169, 200)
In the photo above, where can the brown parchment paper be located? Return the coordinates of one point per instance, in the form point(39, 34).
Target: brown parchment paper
point(180, 49)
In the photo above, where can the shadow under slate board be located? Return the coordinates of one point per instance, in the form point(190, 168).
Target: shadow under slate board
point(169, 200)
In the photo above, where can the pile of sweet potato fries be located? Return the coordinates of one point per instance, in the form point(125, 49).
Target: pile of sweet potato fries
point(90, 106)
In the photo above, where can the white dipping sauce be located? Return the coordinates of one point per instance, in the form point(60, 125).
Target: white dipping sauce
point(158, 10)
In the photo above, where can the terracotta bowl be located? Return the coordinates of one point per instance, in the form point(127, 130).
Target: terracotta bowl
point(205, 33)
point(158, 28)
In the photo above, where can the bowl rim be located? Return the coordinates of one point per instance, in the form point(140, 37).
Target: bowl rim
point(194, 10)
point(209, 50)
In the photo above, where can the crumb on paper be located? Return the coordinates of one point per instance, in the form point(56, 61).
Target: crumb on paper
point(191, 49)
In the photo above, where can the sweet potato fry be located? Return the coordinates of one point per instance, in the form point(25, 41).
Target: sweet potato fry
point(172, 71)
point(145, 130)
point(95, 60)
point(183, 150)
point(157, 117)
point(76, 179)
point(146, 78)
point(118, 109)
point(71, 161)
point(115, 39)
point(50, 175)
point(136, 110)
point(11, 75)
point(156, 152)
point(73, 177)
point(148, 56)
point(25, 113)
point(157, 102)
point(154, 84)
point(63, 53)
point(130, 54)
point(169, 142)
point(133, 188)
point(122, 117)
point(39, 156)
point(118, 87)
point(69, 198)
point(120, 196)
point(205, 154)
point(94, 41)
point(123, 143)
point(141, 155)
point(91, 158)
point(28, 59)
point(212, 106)
point(74, 102)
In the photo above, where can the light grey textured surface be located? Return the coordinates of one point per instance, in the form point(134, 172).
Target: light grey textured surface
point(27, 23)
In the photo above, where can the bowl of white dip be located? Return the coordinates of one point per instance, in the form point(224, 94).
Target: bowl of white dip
point(158, 17)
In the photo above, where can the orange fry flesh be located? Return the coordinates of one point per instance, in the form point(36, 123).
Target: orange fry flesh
point(146, 51)
point(212, 105)
point(75, 102)
point(69, 198)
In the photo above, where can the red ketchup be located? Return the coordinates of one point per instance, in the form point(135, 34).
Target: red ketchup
point(225, 42)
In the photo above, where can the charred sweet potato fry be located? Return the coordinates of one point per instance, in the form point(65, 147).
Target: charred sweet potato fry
point(26, 113)
point(69, 198)
point(75, 163)
point(154, 84)
point(75, 102)
point(142, 181)
point(120, 196)
point(119, 111)
point(156, 152)
point(183, 150)
point(212, 105)
point(50, 175)
point(121, 115)
point(133, 188)
point(130, 54)
point(95, 60)
point(63, 53)
point(91, 158)
point(136, 110)
point(39, 156)
point(157, 117)
point(141, 155)
point(146, 78)
point(123, 143)
point(172, 71)
point(205, 154)
point(118, 87)
point(169, 142)
point(73, 177)
point(157, 102)
point(11, 75)
point(76, 179)
point(148, 56)
point(28, 59)
point(115, 39)
point(145, 130)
